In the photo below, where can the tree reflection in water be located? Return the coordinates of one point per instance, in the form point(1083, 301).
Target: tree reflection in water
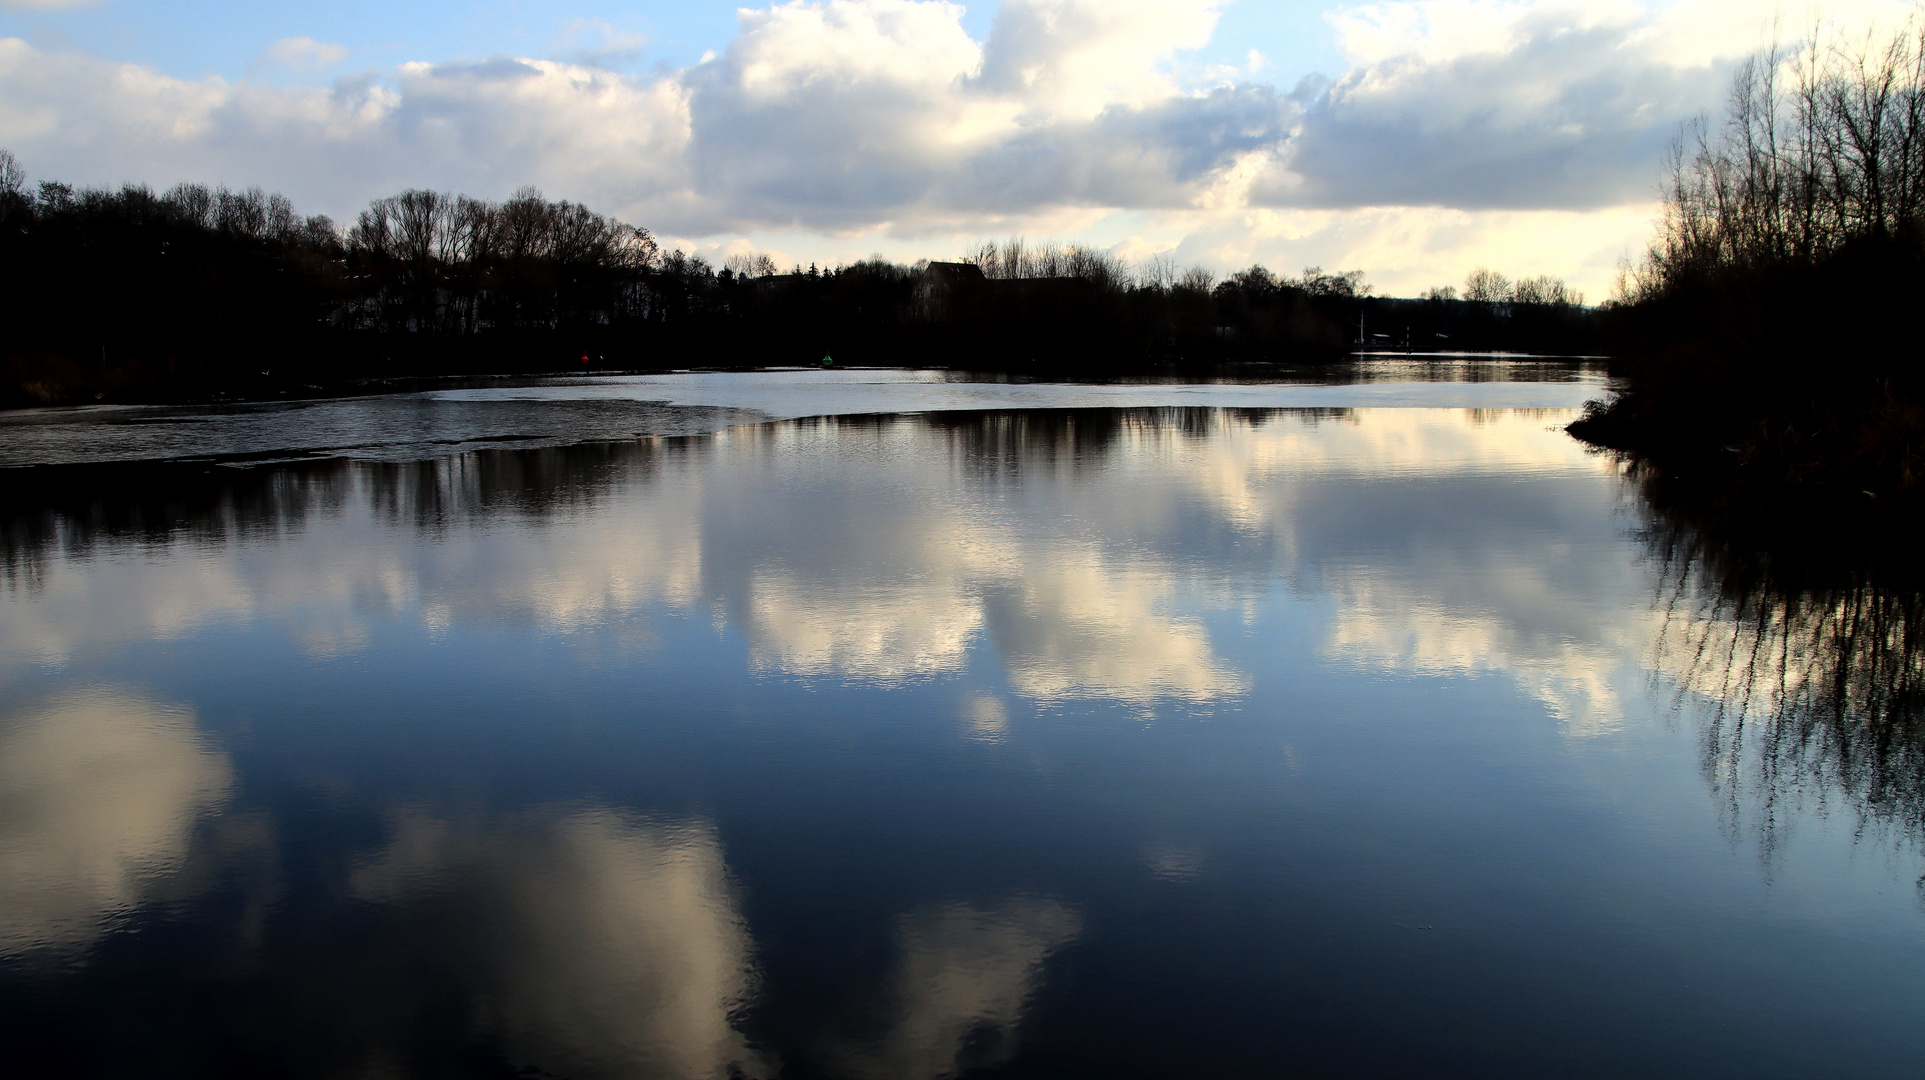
point(1806, 636)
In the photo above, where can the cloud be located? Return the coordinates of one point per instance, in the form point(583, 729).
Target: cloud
point(884, 119)
point(855, 112)
point(881, 634)
point(594, 43)
point(1469, 585)
point(1079, 58)
point(826, 575)
point(830, 115)
point(1516, 104)
point(1475, 105)
point(1406, 249)
point(483, 127)
point(888, 590)
point(99, 794)
point(304, 53)
point(845, 115)
point(963, 980)
point(986, 718)
point(45, 5)
point(1093, 575)
point(895, 586)
point(605, 947)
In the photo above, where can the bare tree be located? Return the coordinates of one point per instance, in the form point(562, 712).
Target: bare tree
point(1344, 283)
point(476, 229)
point(1011, 261)
point(1160, 272)
point(1257, 279)
point(1544, 289)
point(525, 224)
point(241, 213)
point(758, 265)
point(192, 203)
point(1487, 286)
point(1821, 146)
point(13, 179)
point(985, 257)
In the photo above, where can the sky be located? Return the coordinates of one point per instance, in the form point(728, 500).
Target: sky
point(1411, 139)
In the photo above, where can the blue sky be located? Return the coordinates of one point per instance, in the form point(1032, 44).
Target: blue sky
point(197, 38)
point(1413, 139)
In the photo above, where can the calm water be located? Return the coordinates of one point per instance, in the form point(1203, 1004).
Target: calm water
point(1359, 728)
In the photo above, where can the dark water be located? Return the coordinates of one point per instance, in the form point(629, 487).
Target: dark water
point(1151, 741)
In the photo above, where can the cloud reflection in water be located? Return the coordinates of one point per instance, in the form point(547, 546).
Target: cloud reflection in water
point(1334, 567)
point(608, 947)
point(99, 795)
point(964, 976)
point(1087, 549)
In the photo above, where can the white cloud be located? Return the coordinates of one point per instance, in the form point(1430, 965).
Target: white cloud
point(1479, 104)
point(305, 53)
point(606, 947)
point(1442, 31)
point(851, 114)
point(986, 718)
point(1701, 32)
point(1406, 249)
point(596, 43)
point(486, 128)
point(905, 588)
point(1519, 104)
point(883, 634)
point(866, 576)
point(882, 124)
point(99, 794)
point(1077, 58)
point(856, 113)
point(899, 44)
point(964, 977)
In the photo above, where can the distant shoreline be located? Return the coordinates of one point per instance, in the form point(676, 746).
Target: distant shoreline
point(209, 294)
point(267, 390)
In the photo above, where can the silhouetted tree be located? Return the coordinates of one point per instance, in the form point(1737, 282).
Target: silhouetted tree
point(1768, 330)
point(210, 292)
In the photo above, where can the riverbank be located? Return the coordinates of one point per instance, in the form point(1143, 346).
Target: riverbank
point(1766, 340)
point(1750, 379)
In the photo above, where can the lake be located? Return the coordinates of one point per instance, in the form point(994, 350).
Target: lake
point(899, 725)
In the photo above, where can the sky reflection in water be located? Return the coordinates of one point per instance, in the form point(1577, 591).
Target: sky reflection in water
point(1137, 742)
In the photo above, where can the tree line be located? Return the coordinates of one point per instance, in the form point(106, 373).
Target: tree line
point(1768, 332)
point(204, 292)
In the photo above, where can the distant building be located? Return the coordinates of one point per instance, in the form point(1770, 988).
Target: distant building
point(943, 284)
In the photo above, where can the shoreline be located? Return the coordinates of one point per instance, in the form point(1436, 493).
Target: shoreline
point(270, 390)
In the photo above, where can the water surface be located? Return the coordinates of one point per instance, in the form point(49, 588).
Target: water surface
point(932, 729)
